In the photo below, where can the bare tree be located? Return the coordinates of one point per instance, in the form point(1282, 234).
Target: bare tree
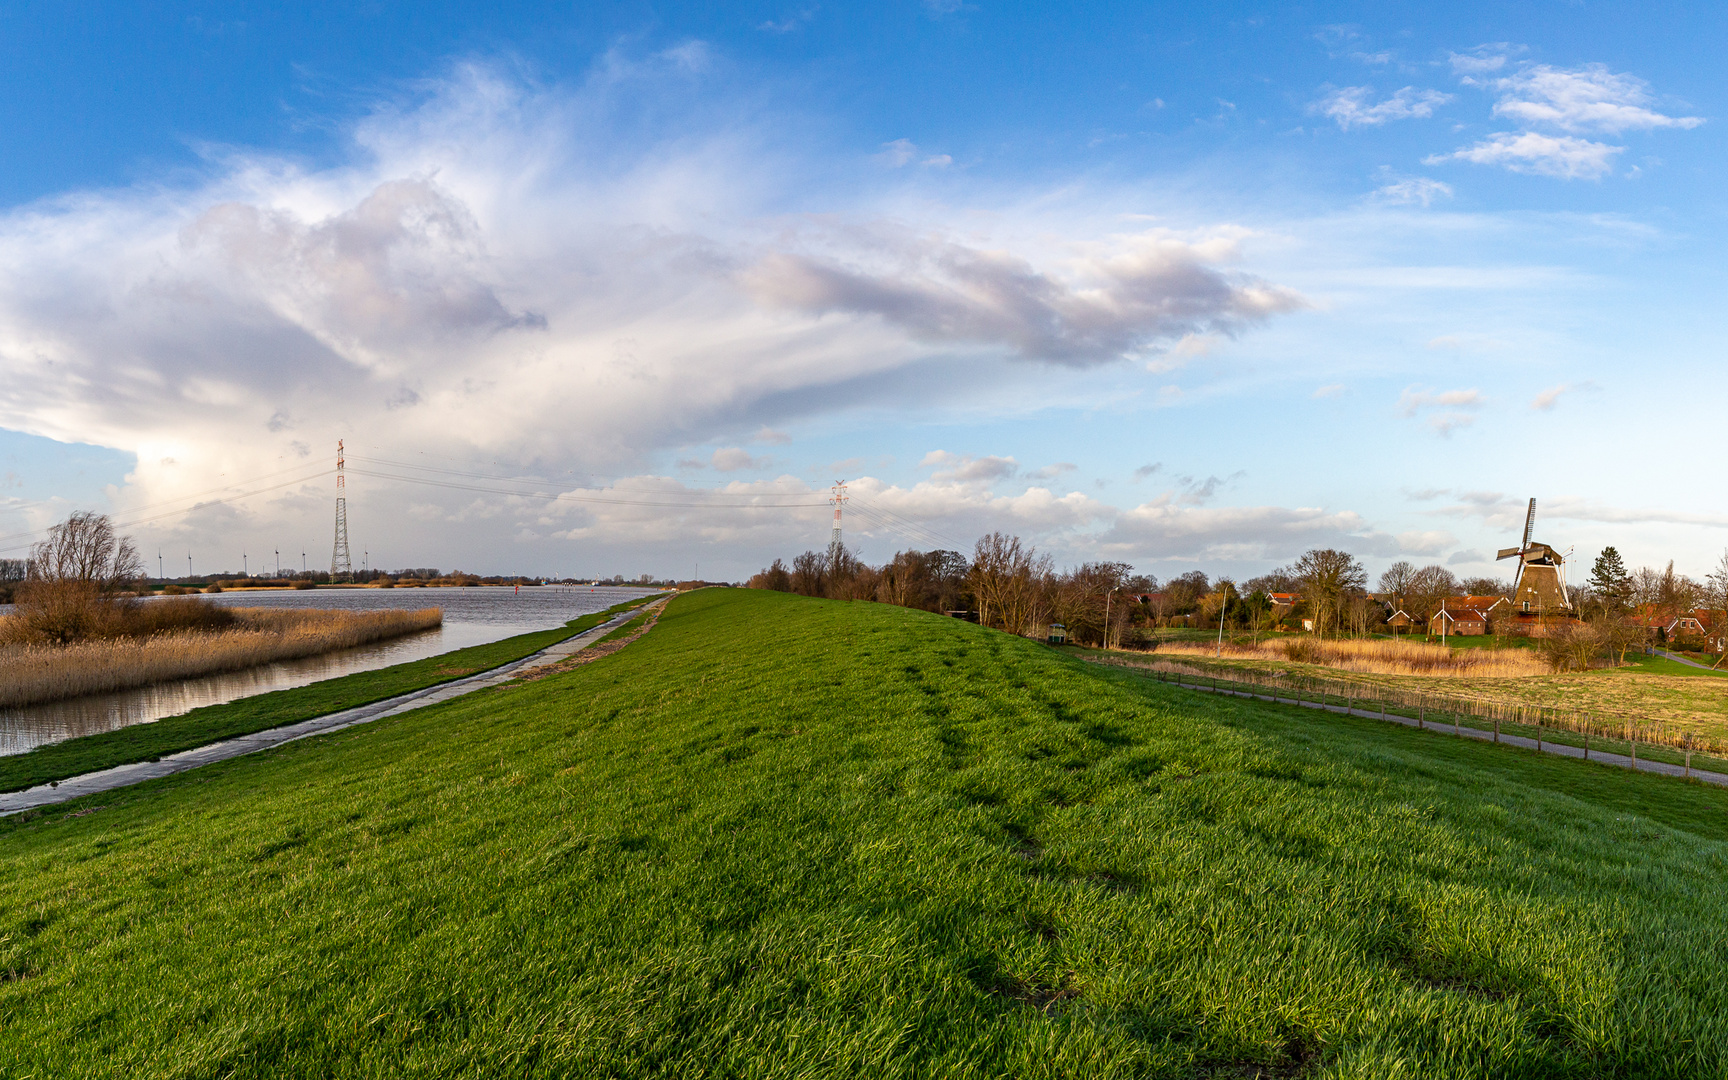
point(85, 549)
point(1007, 581)
point(1395, 583)
point(1329, 576)
point(1428, 587)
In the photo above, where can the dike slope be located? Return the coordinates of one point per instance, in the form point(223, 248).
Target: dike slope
point(783, 837)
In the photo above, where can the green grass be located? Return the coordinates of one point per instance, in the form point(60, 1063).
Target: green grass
point(1638, 663)
point(780, 837)
point(146, 742)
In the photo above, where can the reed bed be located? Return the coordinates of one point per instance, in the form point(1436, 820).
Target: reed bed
point(1376, 657)
point(34, 674)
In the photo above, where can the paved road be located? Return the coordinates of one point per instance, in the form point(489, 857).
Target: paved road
point(1622, 760)
point(125, 775)
point(1666, 655)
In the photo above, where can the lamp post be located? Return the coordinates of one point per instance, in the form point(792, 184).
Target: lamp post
point(1109, 596)
point(1225, 589)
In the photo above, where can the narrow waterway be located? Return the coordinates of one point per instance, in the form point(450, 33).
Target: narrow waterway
point(472, 616)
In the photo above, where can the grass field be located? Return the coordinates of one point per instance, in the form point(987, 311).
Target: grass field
point(780, 837)
point(146, 742)
point(1649, 688)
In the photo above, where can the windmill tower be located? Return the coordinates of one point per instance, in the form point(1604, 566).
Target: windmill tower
point(1540, 585)
point(340, 562)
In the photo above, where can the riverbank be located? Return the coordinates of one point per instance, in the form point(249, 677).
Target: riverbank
point(787, 837)
point(35, 674)
point(141, 742)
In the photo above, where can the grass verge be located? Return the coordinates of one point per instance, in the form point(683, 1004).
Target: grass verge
point(781, 837)
point(146, 742)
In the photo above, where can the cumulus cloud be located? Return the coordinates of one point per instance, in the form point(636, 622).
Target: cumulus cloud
point(1106, 301)
point(1554, 108)
point(1353, 106)
point(490, 276)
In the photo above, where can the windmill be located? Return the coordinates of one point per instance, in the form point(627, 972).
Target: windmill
point(1540, 583)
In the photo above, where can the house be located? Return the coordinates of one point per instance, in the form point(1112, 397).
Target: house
point(1400, 620)
point(1466, 616)
point(1057, 635)
point(1282, 602)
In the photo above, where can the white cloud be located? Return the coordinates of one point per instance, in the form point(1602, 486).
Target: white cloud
point(1590, 98)
point(1413, 400)
point(897, 153)
point(1330, 390)
point(1413, 191)
point(966, 469)
point(771, 437)
point(938, 161)
point(1544, 100)
point(1448, 410)
point(1484, 59)
point(1563, 156)
point(487, 279)
point(1109, 300)
point(1547, 399)
point(1425, 542)
point(1352, 106)
point(1050, 472)
point(733, 459)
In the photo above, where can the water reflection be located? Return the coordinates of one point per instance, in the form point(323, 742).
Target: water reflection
point(472, 616)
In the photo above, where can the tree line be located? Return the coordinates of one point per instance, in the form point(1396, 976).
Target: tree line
point(1006, 583)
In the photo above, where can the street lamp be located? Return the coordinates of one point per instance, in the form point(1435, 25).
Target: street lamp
point(1225, 589)
point(1109, 596)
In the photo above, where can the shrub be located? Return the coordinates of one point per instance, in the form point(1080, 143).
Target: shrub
point(305, 585)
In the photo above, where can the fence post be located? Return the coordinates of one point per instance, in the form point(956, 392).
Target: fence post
point(1688, 755)
point(1421, 712)
point(1538, 734)
point(1496, 731)
point(1632, 738)
point(1586, 745)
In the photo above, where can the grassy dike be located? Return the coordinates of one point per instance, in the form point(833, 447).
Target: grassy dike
point(780, 837)
point(211, 723)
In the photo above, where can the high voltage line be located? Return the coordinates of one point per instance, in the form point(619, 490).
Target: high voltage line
point(877, 516)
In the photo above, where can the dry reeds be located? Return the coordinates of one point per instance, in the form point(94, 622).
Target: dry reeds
point(33, 674)
point(1377, 657)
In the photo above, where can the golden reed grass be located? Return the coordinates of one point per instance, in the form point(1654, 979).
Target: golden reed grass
point(1376, 657)
point(33, 674)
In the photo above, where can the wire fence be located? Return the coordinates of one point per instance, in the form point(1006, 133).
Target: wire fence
point(1627, 736)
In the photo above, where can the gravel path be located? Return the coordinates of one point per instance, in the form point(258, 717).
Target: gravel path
point(125, 775)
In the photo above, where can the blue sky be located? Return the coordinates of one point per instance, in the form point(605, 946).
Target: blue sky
point(1181, 288)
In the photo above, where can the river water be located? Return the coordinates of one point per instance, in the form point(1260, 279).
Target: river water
point(472, 616)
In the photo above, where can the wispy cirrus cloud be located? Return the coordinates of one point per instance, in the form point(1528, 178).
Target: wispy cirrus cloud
point(1446, 410)
point(1565, 157)
point(1354, 106)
